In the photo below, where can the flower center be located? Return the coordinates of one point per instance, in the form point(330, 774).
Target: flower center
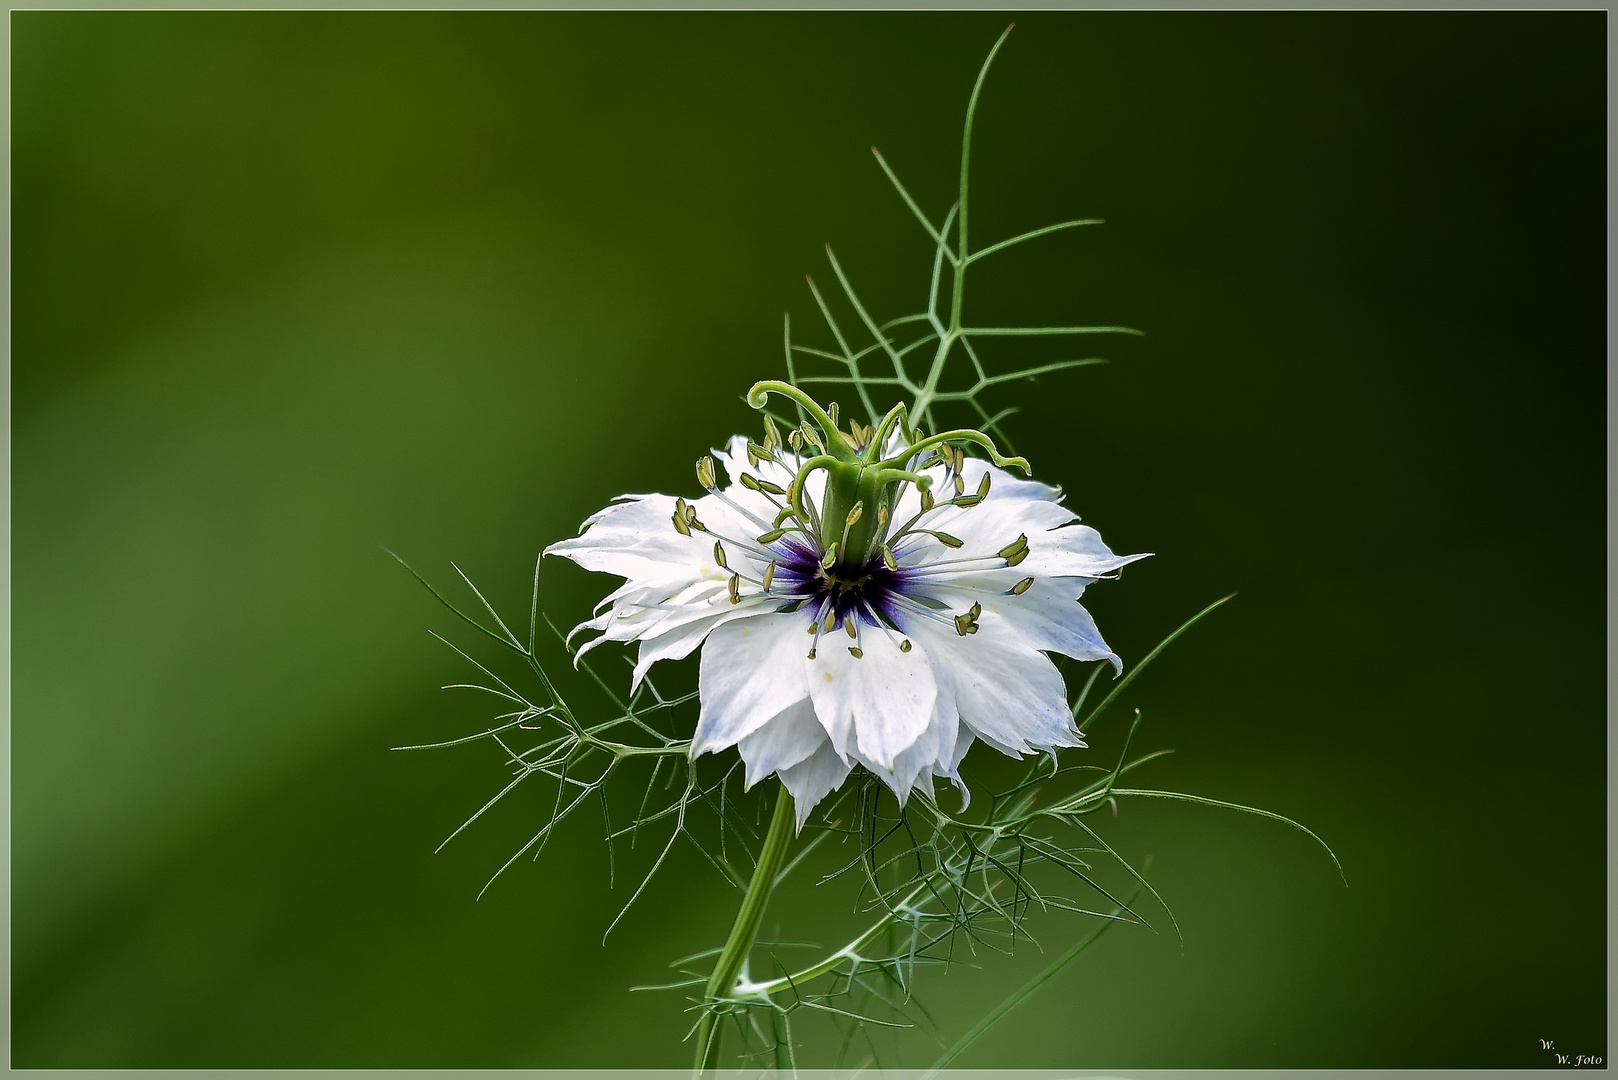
point(840, 561)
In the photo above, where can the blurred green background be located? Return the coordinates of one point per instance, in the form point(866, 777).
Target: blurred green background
point(290, 286)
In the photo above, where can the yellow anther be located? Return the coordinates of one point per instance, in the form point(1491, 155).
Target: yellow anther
point(769, 576)
point(904, 646)
point(747, 478)
point(719, 555)
point(1022, 586)
point(773, 489)
point(856, 653)
point(927, 501)
point(735, 589)
point(705, 473)
point(887, 558)
point(848, 624)
point(947, 540)
point(771, 537)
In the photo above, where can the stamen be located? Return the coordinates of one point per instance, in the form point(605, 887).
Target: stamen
point(848, 624)
point(887, 558)
point(769, 576)
point(742, 510)
point(691, 519)
point(927, 501)
point(900, 600)
point(968, 501)
point(747, 478)
point(1015, 546)
point(960, 485)
point(831, 413)
point(819, 625)
point(680, 525)
point(856, 653)
point(705, 472)
point(830, 558)
point(882, 516)
point(968, 623)
point(853, 516)
point(772, 437)
point(1022, 586)
point(952, 567)
point(735, 589)
point(795, 438)
point(904, 646)
point(771, 489)
point(719, 555)
point(772, 536)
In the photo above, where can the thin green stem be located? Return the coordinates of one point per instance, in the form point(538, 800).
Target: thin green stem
point(962, 251)
point(722, 983)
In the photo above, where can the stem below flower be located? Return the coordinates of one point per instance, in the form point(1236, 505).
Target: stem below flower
point(729, 966)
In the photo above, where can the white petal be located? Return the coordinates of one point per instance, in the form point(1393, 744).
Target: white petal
point(949, 768)
point(1008, 693)
point(913, 766)
point(1048, 616)
point(879, 704)
point(785, 739)
point(751, 671)
point(635, 538)
point(814, 778)
point(678, 642)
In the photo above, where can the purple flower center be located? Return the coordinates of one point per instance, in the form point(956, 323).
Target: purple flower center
point(869, 594)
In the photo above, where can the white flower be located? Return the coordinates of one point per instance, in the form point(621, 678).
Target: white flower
point(822, 650)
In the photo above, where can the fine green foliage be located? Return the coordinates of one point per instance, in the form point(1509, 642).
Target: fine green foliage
point(933, 887)
point(934, 336)
point(936, 886)
point(547, 740)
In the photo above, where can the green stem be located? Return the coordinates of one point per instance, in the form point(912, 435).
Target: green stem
point(729, 966)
